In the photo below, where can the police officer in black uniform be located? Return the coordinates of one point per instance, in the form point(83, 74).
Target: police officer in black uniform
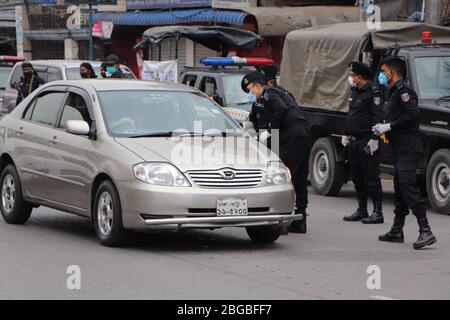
point(402, 130)
point(366, 110)
point(284, 115)
point(28, 83)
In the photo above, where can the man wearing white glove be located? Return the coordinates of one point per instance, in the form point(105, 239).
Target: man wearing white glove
point(381, 128)
point(365, 111)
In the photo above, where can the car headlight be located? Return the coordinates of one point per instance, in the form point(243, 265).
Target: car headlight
point(160, 173)
point(277, 173)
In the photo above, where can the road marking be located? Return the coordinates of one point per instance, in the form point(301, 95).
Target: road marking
point(382, 298)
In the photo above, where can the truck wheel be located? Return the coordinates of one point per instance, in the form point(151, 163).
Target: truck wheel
point(264, 234)
point(438, 181)
point(326, 174)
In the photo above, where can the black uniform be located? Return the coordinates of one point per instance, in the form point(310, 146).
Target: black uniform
point(407, 151)
point(285, 116)
point(366, 110)
point(27, 86)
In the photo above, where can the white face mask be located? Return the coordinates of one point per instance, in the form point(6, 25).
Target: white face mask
point(351, 82)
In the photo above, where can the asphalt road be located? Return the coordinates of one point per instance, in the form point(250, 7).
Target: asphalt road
point(329, 262)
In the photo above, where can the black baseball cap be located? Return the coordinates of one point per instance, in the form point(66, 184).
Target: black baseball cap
point(112, 59)
point(252, 77)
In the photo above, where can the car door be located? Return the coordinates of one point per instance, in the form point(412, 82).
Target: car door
point(32, 141)
point(70, 156)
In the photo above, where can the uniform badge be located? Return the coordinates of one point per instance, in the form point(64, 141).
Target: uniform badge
point(266, 96)
point(377, 101)
point(405, 97)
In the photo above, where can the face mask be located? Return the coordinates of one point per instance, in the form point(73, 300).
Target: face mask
point(251, 97)
point(84, 75)
point(27, 74)
point(382, 79)
point(111, 70)
point(351, 82)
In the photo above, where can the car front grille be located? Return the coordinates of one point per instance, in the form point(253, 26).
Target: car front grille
point(226, 178)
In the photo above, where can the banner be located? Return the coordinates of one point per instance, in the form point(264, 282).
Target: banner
point(164, 71)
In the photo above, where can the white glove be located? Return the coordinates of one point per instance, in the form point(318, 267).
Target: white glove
point(381, 128)
point(345, 140)
point(373, 146)
point(263, 137)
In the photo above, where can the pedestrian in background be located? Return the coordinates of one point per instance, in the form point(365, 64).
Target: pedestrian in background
point(87, 71)
point(365, 110)
point(28, 83)
point(402, 130)
point(113, 67)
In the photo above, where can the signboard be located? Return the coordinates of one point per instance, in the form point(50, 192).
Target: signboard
point(234, 4)
point(165, 4)
point(102, 29)
point(164, 71)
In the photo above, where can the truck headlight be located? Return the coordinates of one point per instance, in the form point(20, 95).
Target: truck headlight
point(277, 173)
point(160, 173)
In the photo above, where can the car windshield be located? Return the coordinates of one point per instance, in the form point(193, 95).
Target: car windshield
point(433, 76)
point(233, 91)
point(74, 73)
point(139, 112)
point(4, 74)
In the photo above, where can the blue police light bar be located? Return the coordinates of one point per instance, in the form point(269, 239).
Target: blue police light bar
point(235, 61)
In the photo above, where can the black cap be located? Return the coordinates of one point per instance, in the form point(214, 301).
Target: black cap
point(26, 65)
point(254, 76)
point(269, 72)
point(112, 59)
point(361, 69)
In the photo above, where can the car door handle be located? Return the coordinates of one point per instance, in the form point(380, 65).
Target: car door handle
point(20, 131)
point(54, 140)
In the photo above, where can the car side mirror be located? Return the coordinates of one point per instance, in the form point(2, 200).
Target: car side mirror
point(78, 127)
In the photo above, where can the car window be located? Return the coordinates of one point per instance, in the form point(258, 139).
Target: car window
point(75, 108)
point(4, 74)
point(53, 75)
point(190, 79)
point(46, 108)
point(17, 73)
point(209, 86)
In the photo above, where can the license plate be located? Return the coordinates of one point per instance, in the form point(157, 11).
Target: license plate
point(232, 207)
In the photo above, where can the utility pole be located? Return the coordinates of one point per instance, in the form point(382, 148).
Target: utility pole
point(433, 11)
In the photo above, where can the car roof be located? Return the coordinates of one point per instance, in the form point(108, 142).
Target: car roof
point(124, 84)
point(65, 63)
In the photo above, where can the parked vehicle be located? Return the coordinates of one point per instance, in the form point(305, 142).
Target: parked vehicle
point(51, 70)
point(73, 146)
point(6, 65)
point(315, 70)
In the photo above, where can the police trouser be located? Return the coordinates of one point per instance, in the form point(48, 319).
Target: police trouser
point(407, 156)
point(296, 158)
point(365, 170)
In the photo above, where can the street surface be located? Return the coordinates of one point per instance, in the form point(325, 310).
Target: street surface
point(329, 262)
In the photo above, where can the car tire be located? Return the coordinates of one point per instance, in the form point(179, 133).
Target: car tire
point(438, 181)
point(15, 210)
point(107, 216)
point(326, 174)
point(264, 234)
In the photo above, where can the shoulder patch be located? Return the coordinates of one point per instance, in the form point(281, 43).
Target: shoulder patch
point(405, 97)
point(377, 101)
point(266, 96)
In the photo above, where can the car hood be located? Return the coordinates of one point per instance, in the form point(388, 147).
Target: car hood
point(191, 153)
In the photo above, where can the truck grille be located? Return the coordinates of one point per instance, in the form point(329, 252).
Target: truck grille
point(226, 178)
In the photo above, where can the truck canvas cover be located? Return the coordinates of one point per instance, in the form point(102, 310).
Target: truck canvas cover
point(315, 60)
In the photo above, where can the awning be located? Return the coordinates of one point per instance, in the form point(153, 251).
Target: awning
point(279, 21)
point(158, 18)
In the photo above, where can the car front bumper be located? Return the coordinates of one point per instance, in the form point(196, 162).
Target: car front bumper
point(146, 206)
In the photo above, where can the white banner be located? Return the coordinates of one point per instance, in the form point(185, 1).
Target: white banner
point(164, 71)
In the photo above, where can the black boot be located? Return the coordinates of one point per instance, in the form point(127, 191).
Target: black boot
point(396, 232)
point(377, 215)
point(298, 226)
point(360, 213)
point(426, 237)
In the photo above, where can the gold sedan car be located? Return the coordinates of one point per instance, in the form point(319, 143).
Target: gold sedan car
point(134, 156)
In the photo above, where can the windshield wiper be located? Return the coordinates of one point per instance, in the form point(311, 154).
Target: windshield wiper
point(442, 98)
point(154, 134)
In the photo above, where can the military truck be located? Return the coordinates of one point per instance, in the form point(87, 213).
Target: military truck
point(315, 69)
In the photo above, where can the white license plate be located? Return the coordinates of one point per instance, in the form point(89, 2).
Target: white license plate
point(232, 207)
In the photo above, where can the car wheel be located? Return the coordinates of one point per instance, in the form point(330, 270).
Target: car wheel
point(438, 181)
point(326, 174)
point(14, 208)
point(264, 234)
point(107, 216)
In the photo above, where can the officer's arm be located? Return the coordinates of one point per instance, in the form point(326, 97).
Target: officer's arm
point(408, 101)
point(279, 109)
point(252, 115)
point(377, 110)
